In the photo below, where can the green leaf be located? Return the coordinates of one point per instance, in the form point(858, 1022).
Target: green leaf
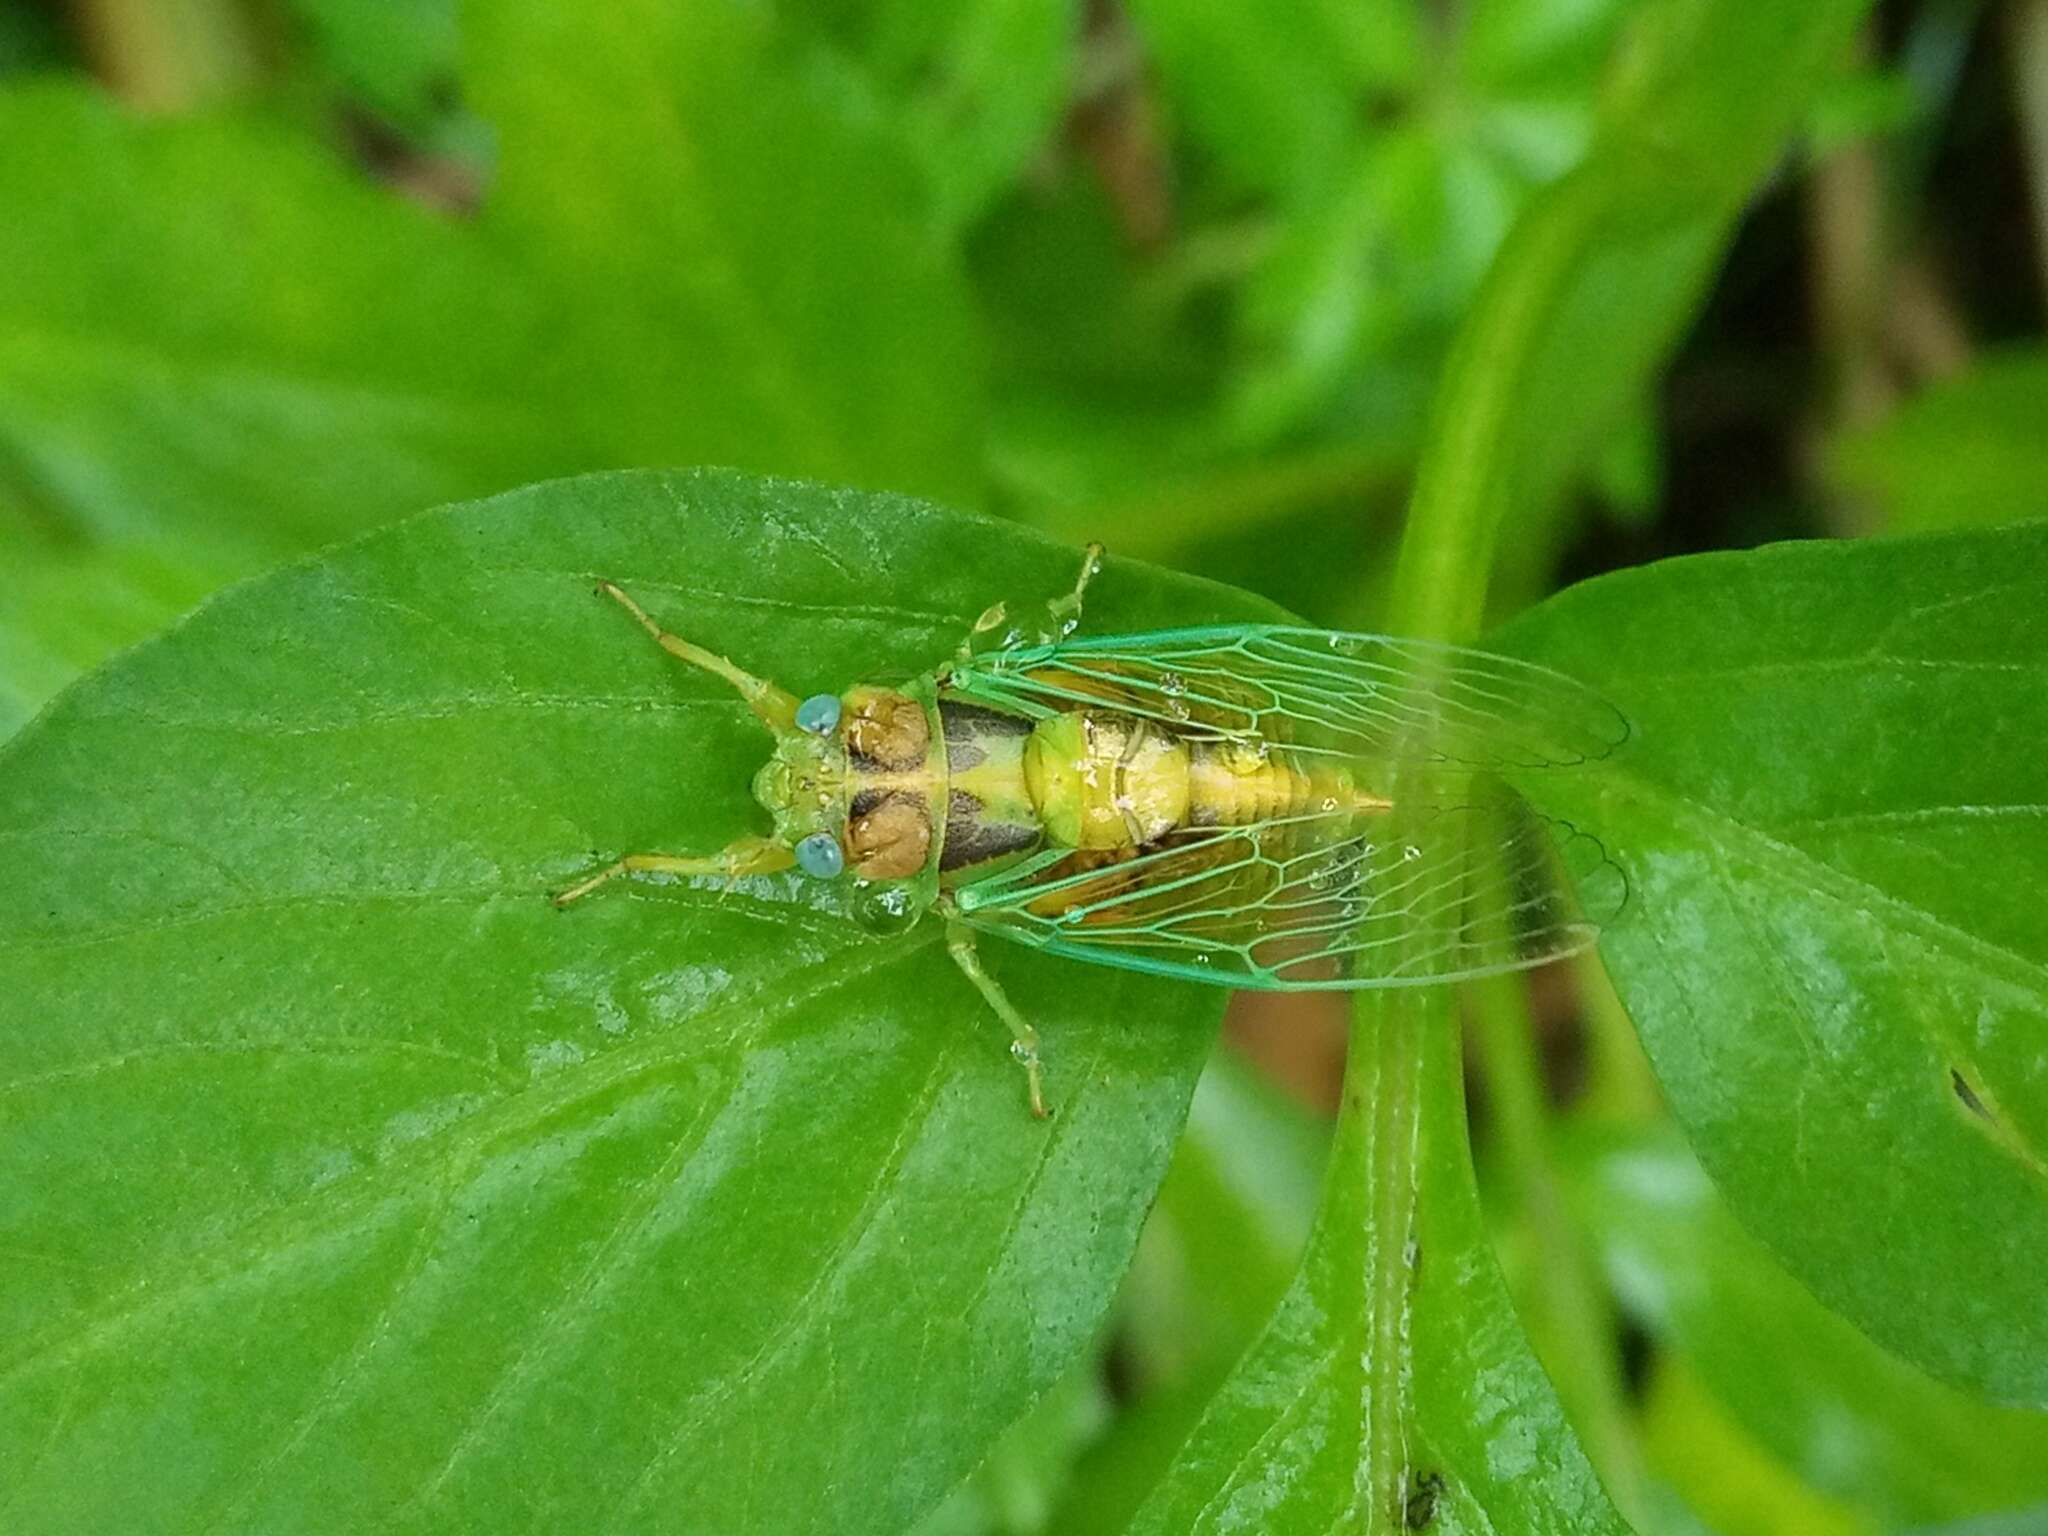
point(30, 39)
point(974, 88)
point(1228, 1231)
point(229, 393)
point(750, 285)
point(62, 609)
point(1389, 1386)
point(1013, 1491)
point(747, 284)
point(1832, 819)
point(1722, 1482)
point(333, 1156)
point(1274, 88)
point(1852, 1421)
point(1218, 1252)
point(400, 54)
point(1964, 453)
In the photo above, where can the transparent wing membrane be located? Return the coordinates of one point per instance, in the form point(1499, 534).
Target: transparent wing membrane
point(1458, 878)
point(1437, 895)
point(1374, 697)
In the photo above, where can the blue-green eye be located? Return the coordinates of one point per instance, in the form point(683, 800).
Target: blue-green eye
point(818, 855)
point(819, 714)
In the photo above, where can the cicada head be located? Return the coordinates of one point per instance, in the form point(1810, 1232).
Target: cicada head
point(803, 786)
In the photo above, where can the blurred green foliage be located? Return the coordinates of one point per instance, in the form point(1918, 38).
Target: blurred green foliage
point(1187, 277)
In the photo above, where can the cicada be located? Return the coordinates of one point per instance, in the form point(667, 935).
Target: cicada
point(1248, 805)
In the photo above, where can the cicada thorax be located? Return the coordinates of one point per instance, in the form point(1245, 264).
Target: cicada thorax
point(939, 784)
point(895, 781)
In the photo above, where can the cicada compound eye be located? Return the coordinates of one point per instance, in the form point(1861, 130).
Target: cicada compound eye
point(819, 714)
point(819, 857)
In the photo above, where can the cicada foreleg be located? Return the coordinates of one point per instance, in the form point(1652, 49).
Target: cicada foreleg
point(747, 856)
point(774, 708)
point(1023, 1038)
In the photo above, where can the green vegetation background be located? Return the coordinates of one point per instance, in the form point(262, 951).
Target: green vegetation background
point(1193, 279)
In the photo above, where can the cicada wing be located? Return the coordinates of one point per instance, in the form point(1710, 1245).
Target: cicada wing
point(1453, 885)
point(1375, 698)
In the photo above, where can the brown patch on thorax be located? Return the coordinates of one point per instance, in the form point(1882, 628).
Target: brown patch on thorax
point(892, 840)
point(886, 730)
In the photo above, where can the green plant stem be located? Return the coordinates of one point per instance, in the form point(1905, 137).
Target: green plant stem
point(1463, 483)
point(1402, 1038)
point(1158, 523)
point(1462, 488)
point(1572, 1323)
point(1620, 1084)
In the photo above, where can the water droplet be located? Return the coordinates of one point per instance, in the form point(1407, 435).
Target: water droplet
point(1177, 710)
point(1411, 853)
point(1172, 684)
point(1329, 803)
point(1201, 959)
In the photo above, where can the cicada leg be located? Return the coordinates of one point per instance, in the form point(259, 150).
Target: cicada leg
point(1023, 1038)
point(748, 856)
point(775, 708)
point(1065, 612)
point(991, 619)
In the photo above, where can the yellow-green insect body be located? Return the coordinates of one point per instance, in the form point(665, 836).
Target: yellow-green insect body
point(1256, 806)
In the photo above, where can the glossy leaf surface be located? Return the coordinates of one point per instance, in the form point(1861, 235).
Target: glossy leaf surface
point(215, 404)
point(1831, 812)
point(332, 1152)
